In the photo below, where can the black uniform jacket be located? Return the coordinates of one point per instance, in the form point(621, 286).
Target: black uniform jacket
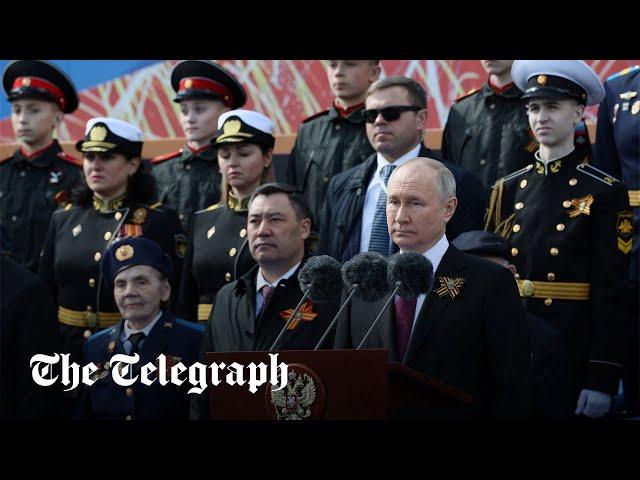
point(30, 191)
point(187, 180)
point(342, 217)
point(570, 228)
point(217, 254)
point(475, 340)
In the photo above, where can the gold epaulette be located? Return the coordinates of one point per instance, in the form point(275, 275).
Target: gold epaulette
point(68, 206)
point(155, 205)
point(211, 208)
point(596, 173)
point(493, 220)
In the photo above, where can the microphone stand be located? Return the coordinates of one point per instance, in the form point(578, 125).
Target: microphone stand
point(395, 290)
point(290, 320)
point(354, 288)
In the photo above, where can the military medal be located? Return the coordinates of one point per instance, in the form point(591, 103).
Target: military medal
point(139, 216)
point(55, 176)
point(450, 286)
point(305, 314)
point(581, 206)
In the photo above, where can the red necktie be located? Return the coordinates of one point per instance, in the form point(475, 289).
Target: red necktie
point(405, 310)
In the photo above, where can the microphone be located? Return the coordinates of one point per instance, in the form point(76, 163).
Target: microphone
point(320, 281)
point(364, 275)
point(410, 274)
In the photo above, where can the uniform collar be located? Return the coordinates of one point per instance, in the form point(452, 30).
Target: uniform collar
point(345, 112)
point(127, 331)
point(238, 205)
point(556, 165)
point(206, 153)
point(354, 114)
point(508, 91)
point(40, 158)
point(107, 206)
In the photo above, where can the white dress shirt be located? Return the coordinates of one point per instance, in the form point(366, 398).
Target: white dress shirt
point(261, 282)
point(128, 331)
point(376, 185)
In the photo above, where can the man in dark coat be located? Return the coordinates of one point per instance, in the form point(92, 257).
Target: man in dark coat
point(39, 176)
point(470, 330)
point(139, 273)
point(335, 139)
point(28, 326)
point(353, 218)
point(250, 313)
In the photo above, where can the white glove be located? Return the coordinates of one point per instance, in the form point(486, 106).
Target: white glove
point(593, 404)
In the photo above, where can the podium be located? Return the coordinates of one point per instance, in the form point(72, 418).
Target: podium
point(335, 385)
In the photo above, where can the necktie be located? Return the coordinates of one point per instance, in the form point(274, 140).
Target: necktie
point(379, 241)
point(405, 310)
point(136, 339)
point(267, 293)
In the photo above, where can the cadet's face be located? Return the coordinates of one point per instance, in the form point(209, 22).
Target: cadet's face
point(276, 236)
point(553, 121)
point(242, 166)
point(394, 138)
point(138, 292)
point(199, 118)
point(107, 173)
point(349, 79)
point(416, 216)
point(34, 121)
point(497, 67)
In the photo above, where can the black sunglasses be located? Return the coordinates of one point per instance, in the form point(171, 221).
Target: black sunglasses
point(390, 114)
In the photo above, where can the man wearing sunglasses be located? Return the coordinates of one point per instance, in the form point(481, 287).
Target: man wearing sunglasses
point(354, 218)
point(333, 140)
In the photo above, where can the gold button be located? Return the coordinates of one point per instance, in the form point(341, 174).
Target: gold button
point(243, 233)
point(326, 179)
point(566, 204)
point(516, 228)
point(128, 417)
point(554, 251)
point(573, 182)
point(227, 277)
point(97, 256)
point(519, 206)
point(523, 183)
point(551, 276)
point(107, 235)
point(560, 227)
point(129, 392)
point(232, 252)
point(514, 251)
point(87, 333)
point(548, 302)
point(92, 282)
point(118, 216)
point(483, 162)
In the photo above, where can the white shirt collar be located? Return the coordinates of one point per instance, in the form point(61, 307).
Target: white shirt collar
point(435, 253)
point(382, 162)
point(261, 282)
point(128, 330)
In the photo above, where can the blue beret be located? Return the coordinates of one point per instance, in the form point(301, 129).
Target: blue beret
point(132, 251)
point(479, 242)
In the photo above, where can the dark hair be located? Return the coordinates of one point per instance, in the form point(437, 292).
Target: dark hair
point(296, 198)
point(417, 94)
point(141, 187)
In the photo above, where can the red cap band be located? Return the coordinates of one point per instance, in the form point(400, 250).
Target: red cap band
point(199, 83)
point(41, 84)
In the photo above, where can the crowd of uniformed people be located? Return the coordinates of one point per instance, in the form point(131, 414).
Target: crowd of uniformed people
point(199, 250)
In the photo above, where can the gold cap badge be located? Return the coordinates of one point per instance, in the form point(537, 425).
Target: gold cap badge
point(26, 82)
point(542, 79)
point(188, 83)
point(98, 133)
point(125, 252)
point(232, 127)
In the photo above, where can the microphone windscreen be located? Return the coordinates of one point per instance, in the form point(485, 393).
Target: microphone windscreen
point(414, 272)
point(369, 271)
point(322, 272)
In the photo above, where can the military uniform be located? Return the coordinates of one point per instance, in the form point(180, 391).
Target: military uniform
point(326, 144)
point(187, 180)
point(217, 254)
point(72, 251)
point(617, 151)
point(33, 185)
point(31, 188)
point(177, 339)
point(488, 134)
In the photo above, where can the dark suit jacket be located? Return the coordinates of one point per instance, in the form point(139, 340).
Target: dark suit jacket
point(342, 216)
point(477, 342)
